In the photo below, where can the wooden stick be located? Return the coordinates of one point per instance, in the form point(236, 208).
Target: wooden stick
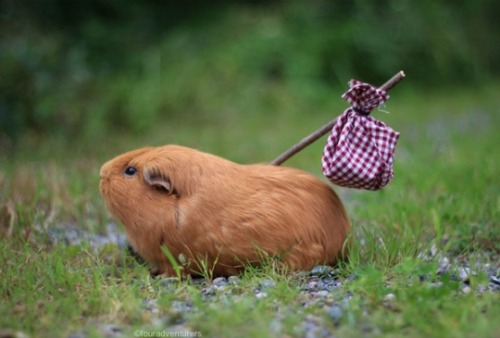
point(327, 127)
point(393, 81)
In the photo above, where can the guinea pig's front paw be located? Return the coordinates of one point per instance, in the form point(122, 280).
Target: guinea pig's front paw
point(155, 272)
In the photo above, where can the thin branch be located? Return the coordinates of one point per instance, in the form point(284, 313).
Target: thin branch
point(327, 127)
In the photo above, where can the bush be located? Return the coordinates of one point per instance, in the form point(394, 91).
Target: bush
point(85, 68)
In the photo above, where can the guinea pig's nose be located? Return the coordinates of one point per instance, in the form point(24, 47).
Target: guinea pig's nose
point(103, 172)
point(106, 168)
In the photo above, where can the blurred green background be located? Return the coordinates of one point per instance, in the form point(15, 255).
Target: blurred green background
point(82, 71)
point(84, 80)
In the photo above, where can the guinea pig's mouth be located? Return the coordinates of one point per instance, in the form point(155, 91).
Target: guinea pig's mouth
point(103, 182)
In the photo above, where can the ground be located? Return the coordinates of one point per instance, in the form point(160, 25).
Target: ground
point(424, 261)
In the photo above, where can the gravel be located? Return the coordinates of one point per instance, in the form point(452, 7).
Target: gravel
point(319, 286)
point(71, 234)
point(320, 281)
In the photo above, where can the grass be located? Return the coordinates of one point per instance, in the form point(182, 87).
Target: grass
point(444, 199)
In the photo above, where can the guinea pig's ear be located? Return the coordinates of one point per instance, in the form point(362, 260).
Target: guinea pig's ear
point(158, 180)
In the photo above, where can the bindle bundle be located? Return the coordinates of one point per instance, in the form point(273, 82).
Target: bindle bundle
point(359, 152)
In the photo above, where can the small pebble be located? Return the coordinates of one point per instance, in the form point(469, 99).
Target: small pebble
point(261, 295)
point(267, 284)
point(352, 277)
point(348, 295)
point(322, 293)
point(207, 292)
point(330, 285)
point(151, 305)
point(466, 290)
point(389, 297)
point(464, 274)
point(219, 282)
point(495, 280)
point(180, 306)
point(169, 282)
point(311, 285)
point(433, 250)
point(321, 270)
point(233, 280)
point(335, 313)
point(443, 265)
point(314, 328)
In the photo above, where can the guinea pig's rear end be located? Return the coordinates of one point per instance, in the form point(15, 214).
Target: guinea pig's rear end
point(203, 207)
point(289, 214)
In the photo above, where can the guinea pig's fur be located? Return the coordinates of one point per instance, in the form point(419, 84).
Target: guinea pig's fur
point(203, 207)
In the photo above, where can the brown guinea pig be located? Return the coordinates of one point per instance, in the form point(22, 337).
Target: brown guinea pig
point(213, 213)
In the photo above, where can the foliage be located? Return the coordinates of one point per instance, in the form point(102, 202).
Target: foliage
point(85, 68)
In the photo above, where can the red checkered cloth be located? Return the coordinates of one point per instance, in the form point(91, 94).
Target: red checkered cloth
point(359, 151)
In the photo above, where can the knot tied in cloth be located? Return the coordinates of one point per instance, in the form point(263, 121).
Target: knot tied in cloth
point(359, 151)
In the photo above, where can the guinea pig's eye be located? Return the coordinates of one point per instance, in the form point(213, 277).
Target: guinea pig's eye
point(130, 171)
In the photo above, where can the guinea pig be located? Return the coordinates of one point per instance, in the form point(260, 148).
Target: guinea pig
point(210, 212)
